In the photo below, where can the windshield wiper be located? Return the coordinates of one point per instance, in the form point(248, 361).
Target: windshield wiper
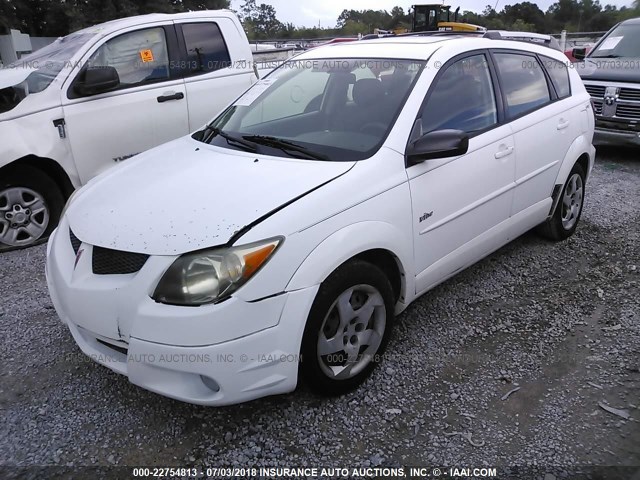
point(611, 55)
point(284, 145)
point(210, 132)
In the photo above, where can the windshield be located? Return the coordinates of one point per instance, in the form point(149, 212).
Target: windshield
point(336, 109)
point(623, 41)
point(50, 60)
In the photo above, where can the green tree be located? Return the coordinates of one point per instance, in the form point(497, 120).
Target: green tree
point(260, 21)
point(399, 19)
point(7, 15)
point(521, 26)
point(525, 12)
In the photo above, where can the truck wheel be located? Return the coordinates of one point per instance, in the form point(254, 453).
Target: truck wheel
point(347, 329)
point(30, 207)
point(567, 215)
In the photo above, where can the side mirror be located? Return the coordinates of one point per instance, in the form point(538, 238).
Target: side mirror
point(579, 53)
point(98, 80)
point(437, 144)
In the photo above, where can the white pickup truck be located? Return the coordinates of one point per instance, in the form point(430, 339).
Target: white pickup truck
point(103, 94)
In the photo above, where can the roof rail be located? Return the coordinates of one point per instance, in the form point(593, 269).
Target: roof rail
point(530, 37)
point(537, 38)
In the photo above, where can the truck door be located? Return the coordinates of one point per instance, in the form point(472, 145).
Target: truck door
point(147, 108)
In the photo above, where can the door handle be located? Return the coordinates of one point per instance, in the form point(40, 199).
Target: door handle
point(563, 124)
point(174, 96)
point(504, 152)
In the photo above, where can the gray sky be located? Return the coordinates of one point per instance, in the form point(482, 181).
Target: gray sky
point(309, 12)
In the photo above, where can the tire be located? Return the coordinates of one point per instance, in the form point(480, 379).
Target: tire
point(352, 353)
point(565, 219)
point(30, 207)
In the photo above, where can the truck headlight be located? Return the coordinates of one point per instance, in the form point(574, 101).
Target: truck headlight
point(209, 276)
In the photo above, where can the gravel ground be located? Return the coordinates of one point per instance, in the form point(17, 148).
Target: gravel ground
point(559, 321)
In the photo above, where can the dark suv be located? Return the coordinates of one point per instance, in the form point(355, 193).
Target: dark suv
point(611, 74)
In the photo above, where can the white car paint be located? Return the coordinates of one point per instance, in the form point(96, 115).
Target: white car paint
point(10, 76)
point(186, 195)
point(209, 190)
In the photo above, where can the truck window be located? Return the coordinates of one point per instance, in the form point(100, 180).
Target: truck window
point(206, 50)
point(621, 41)
point(139, 57)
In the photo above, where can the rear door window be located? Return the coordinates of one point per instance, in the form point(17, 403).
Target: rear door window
point(523, 82)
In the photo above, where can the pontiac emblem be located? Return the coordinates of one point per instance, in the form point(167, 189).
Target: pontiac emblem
point(610, 101)
point(78, 255)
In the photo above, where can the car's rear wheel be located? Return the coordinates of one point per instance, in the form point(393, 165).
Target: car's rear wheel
point(348, 328)
point(30, 207)
point(565, 219)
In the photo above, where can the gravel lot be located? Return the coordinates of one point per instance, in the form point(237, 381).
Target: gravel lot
point(560, 321)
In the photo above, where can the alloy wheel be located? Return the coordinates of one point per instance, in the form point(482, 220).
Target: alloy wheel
point(24, 216)
point(572, 201)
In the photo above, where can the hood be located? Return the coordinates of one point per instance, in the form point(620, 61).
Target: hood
point(185, 195)
point(10, 77)
point(610, 69)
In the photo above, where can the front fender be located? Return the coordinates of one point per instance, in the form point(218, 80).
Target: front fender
point(350, 241)
point(35, 135)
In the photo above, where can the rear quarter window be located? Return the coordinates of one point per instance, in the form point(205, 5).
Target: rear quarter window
point(559, 74)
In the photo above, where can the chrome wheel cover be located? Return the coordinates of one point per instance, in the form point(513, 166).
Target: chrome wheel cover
point(572, 201)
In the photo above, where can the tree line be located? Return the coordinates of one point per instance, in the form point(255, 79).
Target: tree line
point(59, 17)
point(53, 18)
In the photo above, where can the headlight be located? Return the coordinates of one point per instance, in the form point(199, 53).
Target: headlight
point(210, 276)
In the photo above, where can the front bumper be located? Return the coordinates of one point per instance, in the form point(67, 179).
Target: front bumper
point(616, 138)
point(221, 354)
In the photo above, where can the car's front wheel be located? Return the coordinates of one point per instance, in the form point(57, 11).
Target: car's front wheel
point(348, 328)
point(565, 219)
point(30, 207)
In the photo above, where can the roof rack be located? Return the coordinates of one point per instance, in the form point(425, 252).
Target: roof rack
point(530, 37)
point(537, 38)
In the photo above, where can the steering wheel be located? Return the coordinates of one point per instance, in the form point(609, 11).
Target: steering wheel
point(374, 128)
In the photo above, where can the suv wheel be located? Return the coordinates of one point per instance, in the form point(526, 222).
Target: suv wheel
point(348, 328)
point(567, 215)
point(30, 207)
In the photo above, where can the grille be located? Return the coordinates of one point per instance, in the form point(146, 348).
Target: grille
point(597, 107)
point(618, 125)
point(629, 94)
point(75, 242)
point(118, 349)
point(628, 111)
point(113, 262)
point(595, 90)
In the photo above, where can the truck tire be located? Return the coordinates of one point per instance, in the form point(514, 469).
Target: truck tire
point(30, 207)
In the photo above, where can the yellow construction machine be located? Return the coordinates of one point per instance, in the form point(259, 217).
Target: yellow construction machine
point(436, 17)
